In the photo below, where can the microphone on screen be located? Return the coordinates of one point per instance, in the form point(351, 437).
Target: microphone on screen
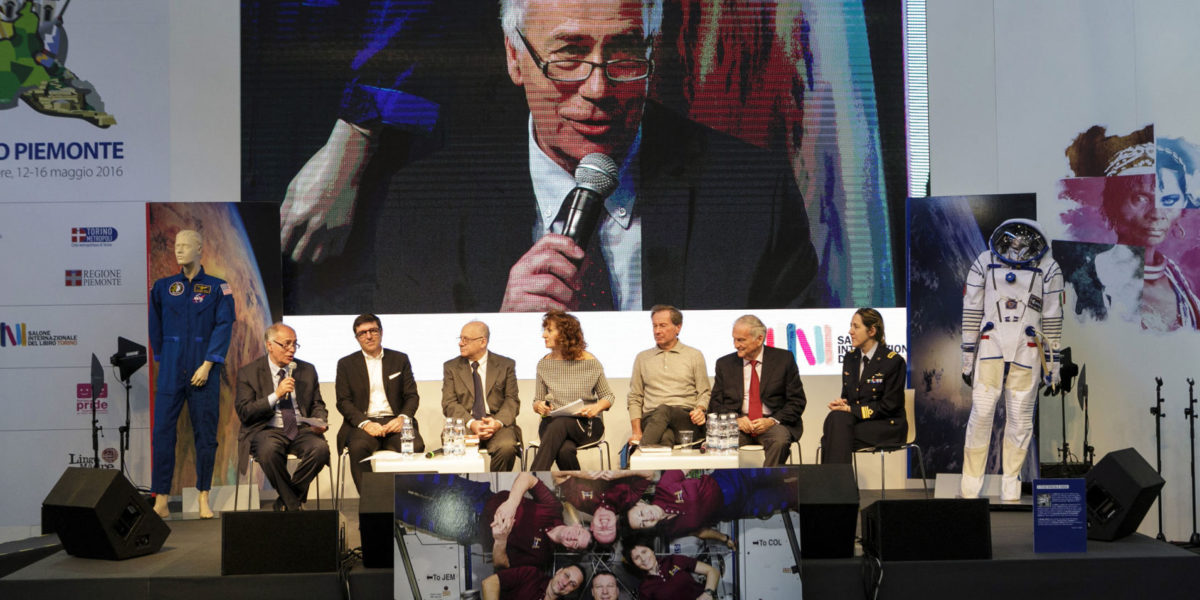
point(595, 180)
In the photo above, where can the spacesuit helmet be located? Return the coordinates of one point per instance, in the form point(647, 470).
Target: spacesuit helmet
point(1018, 242)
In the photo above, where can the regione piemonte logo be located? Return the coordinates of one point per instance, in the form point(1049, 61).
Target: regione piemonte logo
point(92, 277)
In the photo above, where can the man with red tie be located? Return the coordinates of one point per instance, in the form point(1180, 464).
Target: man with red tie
point(762, 386)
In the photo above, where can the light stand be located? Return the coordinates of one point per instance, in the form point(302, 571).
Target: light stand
point(97, 385)
point(1159, 415)
point(130, 357)
point(1190, 414)
point(1067, 371)
point(1081, 393)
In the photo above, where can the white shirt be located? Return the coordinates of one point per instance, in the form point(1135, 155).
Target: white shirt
point(273, 400)
point(746, 384)
point(377, 403)
point(620, 230)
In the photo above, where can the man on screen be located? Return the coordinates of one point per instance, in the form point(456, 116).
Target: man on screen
point(668, 389)
point(697, 218)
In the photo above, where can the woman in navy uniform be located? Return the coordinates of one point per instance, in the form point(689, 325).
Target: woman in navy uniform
point(871, 409)
point(191, 321)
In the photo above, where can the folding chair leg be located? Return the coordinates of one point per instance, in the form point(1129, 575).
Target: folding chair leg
point(921, 464)
point(882, 475)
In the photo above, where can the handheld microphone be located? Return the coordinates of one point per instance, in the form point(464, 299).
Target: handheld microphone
point(595, 180)
point(291, 368)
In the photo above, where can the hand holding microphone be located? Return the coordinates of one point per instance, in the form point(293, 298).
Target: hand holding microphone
point(547, 276)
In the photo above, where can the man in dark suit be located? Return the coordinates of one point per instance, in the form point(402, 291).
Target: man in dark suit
point(471, 230)
point(376, 394)
point(270, 403)
point(762, 386)
point(480, 387)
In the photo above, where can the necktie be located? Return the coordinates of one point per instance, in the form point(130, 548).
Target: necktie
point(478, 410)
point(288, 410)
point(595, 288)
point(755, 401)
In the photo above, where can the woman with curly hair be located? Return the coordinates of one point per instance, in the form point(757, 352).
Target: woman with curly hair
point(567, 374)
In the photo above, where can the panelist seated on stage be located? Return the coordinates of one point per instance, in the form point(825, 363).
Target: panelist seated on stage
point(668, 389)
point(566, 376)
point(480, 387)
point(376, 394)
point(271, 404)
point(761, 385)
point(870, 411)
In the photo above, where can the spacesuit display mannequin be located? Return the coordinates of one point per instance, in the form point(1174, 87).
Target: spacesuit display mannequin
point(1011, 328)
point(191, 321)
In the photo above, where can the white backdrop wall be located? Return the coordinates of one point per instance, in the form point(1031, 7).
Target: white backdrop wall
point(168, 72)
point(1012, 82)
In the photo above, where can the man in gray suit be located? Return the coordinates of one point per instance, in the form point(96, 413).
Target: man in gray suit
point(480, 387)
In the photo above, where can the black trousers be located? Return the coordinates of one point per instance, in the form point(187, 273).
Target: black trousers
point(560, 437)
point(270, 448)
point(843, 436)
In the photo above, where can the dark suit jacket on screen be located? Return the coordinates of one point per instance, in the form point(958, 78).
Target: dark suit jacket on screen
point(779, 388)
point(353, 387)
point(723, 223)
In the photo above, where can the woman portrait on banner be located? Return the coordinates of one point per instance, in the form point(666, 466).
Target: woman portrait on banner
point(1131, 210)
point(669, 577)
point(571, 392)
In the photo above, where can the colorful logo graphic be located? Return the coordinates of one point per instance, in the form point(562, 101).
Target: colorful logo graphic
point(83, 399)
point(33, 43)
point(816, 347)
point(12, 334)
point(19, 334)
point(93, 236)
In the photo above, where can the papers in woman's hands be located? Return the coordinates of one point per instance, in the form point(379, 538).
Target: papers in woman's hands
point(568, 410)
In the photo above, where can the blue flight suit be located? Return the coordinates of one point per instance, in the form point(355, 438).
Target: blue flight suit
point(190, 322)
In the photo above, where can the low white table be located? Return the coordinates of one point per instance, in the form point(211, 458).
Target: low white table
point(654, 461)
point(394, 462)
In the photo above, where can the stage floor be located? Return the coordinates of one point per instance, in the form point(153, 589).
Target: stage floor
point(189, 566)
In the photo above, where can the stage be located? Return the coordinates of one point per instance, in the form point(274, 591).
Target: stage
point(189, 566)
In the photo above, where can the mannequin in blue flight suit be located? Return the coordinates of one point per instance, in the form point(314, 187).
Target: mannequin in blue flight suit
point(191, 319)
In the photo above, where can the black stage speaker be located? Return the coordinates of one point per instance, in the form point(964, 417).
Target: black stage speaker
point(97, 513)
point(376, 504)
point(828, 507)
point(942, 529)
point(254, 542)
point(1120, 489)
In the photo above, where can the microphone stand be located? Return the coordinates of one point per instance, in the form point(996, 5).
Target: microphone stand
point(1081, 393)
point(1157, 411)
point(1190, 414)
point(95, 429)
point(1066, 447)
point(124, 429)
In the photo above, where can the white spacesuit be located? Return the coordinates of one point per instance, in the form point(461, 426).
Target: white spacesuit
point(1012, 326)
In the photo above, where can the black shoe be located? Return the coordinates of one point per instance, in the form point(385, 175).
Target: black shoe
point(279, 507)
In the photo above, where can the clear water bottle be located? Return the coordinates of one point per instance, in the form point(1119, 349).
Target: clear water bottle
point(406, 439)
point(460, 438)
point(731, 432)
point(712, 436)
point(448, 437)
